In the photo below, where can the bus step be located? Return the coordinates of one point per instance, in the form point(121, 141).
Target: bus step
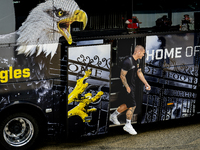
point(113, 125)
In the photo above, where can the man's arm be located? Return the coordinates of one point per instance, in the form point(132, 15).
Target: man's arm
point(142, 78)
point(124, 81)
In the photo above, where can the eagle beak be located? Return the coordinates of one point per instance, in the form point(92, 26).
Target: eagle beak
point(64, 25)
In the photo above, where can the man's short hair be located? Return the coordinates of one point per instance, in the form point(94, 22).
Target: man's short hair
point(139, 48)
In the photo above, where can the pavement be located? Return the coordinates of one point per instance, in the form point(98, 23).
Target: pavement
point(173, 135)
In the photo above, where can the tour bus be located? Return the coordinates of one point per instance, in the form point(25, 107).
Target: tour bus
point(60, 62)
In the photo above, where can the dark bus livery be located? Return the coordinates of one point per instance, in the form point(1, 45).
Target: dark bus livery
point(60, 65)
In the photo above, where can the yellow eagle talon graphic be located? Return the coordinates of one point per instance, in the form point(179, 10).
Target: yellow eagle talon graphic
point(79, 88)
point(80, 110)
point(83, 102)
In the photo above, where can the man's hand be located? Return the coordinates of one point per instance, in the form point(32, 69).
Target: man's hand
point(148, 87)
point(128, 89)
point(141, 76)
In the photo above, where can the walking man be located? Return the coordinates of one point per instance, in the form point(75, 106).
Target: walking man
point(129, 70)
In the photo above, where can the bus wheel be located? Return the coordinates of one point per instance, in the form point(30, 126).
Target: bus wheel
point(18, 131)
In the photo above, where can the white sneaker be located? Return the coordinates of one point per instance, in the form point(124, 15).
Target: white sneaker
point(114, 120)
point(129, 129)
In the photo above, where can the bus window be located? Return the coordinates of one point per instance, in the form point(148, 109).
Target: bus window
point(7, 17)
point(142, 16)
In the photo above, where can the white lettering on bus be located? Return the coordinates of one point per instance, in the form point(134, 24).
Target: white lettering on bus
point(176, 52)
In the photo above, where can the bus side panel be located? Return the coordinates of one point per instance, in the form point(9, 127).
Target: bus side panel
point(172, 67)
point(39, 80)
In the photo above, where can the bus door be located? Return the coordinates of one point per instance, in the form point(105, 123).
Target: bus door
point(88, 89)
point(121, 49)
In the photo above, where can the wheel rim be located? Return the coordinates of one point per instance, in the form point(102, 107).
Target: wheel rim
point(18, 131)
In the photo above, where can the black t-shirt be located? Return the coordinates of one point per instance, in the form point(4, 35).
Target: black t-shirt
point(132, 68)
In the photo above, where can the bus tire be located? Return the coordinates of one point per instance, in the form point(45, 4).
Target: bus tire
point(19, 131)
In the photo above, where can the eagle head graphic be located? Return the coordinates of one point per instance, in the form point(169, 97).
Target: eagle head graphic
point(45, 24)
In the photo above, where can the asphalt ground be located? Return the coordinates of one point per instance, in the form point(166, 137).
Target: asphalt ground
point(179, 134)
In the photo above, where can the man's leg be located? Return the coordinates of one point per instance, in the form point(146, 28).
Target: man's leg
point(122, 108)
point(129, 113)
point(113, 116)
point(128, 127)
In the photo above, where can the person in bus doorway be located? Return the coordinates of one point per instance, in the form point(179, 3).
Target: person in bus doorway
point(133, 24)
point(163, 23)
point(186, 22)
point(129, 70)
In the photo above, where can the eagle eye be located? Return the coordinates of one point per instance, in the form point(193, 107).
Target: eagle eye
point(60, 13)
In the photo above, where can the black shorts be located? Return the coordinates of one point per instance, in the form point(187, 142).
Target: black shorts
point(128, 98)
